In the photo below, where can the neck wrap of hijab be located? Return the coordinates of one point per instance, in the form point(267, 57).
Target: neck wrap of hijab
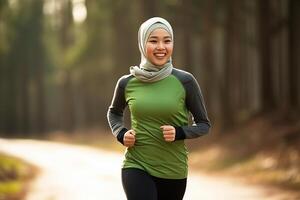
point(146, 71)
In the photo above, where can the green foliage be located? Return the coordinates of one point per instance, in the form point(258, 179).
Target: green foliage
point(11, 169)
point(10, 188)
point(3, 3)
point(13, 175)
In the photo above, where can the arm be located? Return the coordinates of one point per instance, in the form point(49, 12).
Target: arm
point(195, 104)
point(116, 110)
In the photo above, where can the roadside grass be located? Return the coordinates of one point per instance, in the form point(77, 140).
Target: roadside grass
point(15, 175)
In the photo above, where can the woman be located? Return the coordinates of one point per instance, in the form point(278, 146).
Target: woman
point(160, 98)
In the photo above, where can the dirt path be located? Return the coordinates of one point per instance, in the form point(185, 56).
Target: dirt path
point(72, 172)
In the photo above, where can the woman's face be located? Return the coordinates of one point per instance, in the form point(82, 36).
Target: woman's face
point(159, 47)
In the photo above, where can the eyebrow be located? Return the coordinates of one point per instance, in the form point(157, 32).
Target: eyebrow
point(155, 37)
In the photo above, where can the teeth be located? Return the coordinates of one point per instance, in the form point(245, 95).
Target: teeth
point(160, 54)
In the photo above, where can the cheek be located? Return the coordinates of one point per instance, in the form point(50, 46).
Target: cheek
point(149, 49)
point(170, 49)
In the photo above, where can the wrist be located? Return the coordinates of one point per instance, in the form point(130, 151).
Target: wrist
point(179, 133)
point(120, 136)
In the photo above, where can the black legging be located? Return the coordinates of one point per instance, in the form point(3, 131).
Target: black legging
point(139, 185)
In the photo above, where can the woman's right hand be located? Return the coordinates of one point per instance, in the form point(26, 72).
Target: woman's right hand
point(129, 138)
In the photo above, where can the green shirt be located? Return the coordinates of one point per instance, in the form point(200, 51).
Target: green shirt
point(152, 105)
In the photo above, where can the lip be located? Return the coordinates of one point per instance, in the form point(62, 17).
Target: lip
point(160, 55)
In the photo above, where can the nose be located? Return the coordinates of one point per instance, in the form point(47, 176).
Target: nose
point(160, 45)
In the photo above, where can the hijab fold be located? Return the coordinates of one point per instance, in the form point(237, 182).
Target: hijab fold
point(146, 71)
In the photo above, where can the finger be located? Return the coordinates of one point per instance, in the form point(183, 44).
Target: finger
point(169, 139)
point(130, 136)
point(169, 136)
point(167, 127)
point(129, 140)
point(132, 132)
point(170, 132)
point(128, 143)
point(132, 140)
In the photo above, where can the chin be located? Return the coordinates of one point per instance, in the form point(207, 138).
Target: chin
point(160, 64)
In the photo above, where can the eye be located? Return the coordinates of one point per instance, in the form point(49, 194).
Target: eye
point(152, 41)
point(168, 41)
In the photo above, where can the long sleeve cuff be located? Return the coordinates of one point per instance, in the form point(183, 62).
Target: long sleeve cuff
point(179, 135)
point(121, 134)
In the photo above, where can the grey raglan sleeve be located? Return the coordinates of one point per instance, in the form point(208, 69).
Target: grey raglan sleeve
point(196, 105)
point(116, 110)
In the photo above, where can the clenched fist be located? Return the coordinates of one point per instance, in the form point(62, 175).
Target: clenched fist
point(129, 138)
point(168, 133)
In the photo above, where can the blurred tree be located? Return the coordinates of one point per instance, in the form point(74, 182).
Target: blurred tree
point(3, 50)
point(149, 8)
point(37, 62)
point(66, 38)
point(267, 88)
point(230, 88)
point(209, 68)
point(124, 36)
point(294, 52)
point(185, 18)
point(24, 56)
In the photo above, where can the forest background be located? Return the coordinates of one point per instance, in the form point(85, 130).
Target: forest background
point(60, 61)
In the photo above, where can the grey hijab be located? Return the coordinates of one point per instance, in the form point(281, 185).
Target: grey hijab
point(146, 71)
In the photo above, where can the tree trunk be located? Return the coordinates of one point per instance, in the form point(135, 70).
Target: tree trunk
point(187, 34)
point(294, 52)
point(38, 62)
point(66, 42)
point(68, 104)
point(208, 54)
point(230, 87)
point(267, 91)
point(124, 40)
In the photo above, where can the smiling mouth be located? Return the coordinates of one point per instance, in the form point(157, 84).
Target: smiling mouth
point(160, 55)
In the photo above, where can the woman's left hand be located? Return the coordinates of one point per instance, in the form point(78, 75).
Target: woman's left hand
point(168, 132)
